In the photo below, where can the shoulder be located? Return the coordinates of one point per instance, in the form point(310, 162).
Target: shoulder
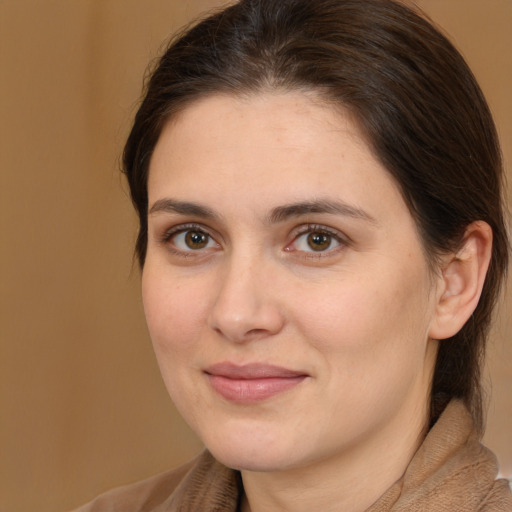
point(499, 499)
point(144, 495)
point(201, 484)
point(451, 470)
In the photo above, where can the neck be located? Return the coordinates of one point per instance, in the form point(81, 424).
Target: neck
point(351, 480)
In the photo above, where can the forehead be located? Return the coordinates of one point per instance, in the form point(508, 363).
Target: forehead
point(265, 150)
point(269, 147)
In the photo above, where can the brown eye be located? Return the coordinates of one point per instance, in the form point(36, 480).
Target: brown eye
point(196, 240)
point(188, 240)
point(319, 241)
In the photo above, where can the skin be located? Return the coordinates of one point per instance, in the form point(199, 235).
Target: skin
point(357, 316)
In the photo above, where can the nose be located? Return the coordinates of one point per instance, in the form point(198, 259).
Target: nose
point(246, 307)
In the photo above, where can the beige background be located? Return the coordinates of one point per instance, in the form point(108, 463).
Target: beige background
point(82, 407)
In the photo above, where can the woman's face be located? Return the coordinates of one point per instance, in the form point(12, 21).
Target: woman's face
point(285, 287)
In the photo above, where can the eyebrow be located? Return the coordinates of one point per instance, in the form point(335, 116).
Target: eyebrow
point(282, 213)
point(168, 205)
point(278, 214)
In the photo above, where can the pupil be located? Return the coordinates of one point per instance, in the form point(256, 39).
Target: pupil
point(319, 241)
point(196, 240)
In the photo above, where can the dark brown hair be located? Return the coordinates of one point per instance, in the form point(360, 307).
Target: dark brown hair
point(411, 92)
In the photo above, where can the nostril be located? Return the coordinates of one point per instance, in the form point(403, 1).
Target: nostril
point(256, 333)
point(250, 328)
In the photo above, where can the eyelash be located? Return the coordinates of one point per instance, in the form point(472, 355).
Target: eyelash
point(309, 229)
point(306, 229)
point(167, 237)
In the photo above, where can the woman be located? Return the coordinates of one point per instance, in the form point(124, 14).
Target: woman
point(322, 242)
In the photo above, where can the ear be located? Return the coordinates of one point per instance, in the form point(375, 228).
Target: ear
point(461, 281)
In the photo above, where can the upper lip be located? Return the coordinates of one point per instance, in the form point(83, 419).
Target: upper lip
point(252, 371)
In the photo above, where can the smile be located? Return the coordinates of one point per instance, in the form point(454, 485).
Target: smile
point(251, 383)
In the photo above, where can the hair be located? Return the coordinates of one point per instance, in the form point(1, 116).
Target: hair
point(414, 97)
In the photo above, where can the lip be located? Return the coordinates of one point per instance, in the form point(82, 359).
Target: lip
point(251, 383)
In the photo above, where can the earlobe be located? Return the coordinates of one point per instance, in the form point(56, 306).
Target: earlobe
point(461, 281)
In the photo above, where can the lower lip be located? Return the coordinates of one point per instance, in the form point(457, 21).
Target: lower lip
point(247, 391)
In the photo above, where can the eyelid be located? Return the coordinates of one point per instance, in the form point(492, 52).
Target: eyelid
point(305, 229)
point(177, 229)
point(186, 226)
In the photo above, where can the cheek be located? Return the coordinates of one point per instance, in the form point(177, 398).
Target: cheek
point(381, 311)
point(175, 315)
point(175, 312)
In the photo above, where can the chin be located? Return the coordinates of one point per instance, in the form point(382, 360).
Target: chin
point(249, 461)
point(253, 455)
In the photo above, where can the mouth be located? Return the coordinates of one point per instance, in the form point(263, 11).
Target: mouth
point(251, 383)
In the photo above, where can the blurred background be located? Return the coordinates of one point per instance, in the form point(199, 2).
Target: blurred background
point(82, 405)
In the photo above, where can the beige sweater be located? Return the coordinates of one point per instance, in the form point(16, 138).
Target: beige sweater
point(450, 472)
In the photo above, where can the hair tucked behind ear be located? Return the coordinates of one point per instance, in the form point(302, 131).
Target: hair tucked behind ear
point(413, 95)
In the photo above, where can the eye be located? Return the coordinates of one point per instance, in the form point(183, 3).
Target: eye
point(316, 239)
point(319, 241)
point(187, 240)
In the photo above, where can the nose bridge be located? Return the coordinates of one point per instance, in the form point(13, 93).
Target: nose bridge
point(245, 307)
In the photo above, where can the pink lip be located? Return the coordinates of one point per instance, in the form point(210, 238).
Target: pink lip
point(252, 382)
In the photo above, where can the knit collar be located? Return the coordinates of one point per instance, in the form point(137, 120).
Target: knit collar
point(450, 468)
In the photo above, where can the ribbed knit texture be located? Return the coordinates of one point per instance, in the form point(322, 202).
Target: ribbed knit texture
point(450, 472)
